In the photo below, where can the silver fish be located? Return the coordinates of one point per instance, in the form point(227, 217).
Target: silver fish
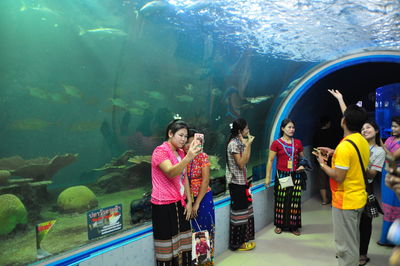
point(259, 99)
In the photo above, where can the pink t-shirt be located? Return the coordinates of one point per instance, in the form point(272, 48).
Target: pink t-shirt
point(165, 190)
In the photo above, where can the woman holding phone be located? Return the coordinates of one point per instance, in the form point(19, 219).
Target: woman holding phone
point(287, 149)
point(171, 197)
point(241, 217)
point(198, 172)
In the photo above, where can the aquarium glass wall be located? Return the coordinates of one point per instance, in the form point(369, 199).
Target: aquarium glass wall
point(87, 88)
point(387, 105)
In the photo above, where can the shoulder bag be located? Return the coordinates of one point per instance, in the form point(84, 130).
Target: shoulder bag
point(372, 207)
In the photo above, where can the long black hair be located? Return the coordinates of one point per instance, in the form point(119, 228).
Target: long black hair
point(284, 124)
point(378, 132)
point(237, 126)
point(174, 126)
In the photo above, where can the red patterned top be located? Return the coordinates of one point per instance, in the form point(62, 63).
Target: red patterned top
point(282, 150)
point(194, 172)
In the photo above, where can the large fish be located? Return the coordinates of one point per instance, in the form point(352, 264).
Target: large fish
point(259, 99)
point(39, 8)
point(33, 124)
point(119, 102)
point(39, 93)
point(152, 7)
point(155, 95)
point(101, 30)
point(72, 91)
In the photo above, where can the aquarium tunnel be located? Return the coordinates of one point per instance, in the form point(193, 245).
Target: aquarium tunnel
point(87, 88)
point(357, 76)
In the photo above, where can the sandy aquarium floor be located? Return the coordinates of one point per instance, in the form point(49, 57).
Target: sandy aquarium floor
point(315, 246)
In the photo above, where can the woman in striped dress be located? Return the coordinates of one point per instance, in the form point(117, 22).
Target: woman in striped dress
point(286, 149)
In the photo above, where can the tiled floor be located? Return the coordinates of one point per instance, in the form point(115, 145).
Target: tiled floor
point(315, 247)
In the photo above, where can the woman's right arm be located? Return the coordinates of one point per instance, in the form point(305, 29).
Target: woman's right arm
point(174, 170)
point(271, 157)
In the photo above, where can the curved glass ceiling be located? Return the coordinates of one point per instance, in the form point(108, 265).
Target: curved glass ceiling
point(303, 30)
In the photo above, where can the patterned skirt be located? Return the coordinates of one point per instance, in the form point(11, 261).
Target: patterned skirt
point(241, 217)
point(288, 203)
point(172, 235)
point(205, 220)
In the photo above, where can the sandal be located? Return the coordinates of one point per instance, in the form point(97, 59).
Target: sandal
point(364, 261)
point(296, 232)
point(278, 230)
point(247, 246)
point(384, 244)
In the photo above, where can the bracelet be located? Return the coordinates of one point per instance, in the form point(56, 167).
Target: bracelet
point(322, 165)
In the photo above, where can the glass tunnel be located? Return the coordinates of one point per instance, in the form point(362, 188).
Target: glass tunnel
point(88, 87)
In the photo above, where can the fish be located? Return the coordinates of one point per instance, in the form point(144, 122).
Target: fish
point(185, 98)
point(141, 104)
point(33, 124)
point(152, 7)
point(39, 8)
point(85, 126)
point(72, 91)
point(119, 102)
point(58, 97)
point(293, 83)
point(155, 95)
point(189, 88)
point(108, 31)
point(136, 111)
point(39, 93)
point(259, 99)
point(285, 93)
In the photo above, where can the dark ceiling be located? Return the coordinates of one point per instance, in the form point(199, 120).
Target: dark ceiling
point(356, 83)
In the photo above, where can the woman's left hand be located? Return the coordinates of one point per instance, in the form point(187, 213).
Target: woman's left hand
point(195, 209)
point(188, 211)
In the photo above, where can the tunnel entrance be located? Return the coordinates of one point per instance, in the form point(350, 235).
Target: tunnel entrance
point(356, 76)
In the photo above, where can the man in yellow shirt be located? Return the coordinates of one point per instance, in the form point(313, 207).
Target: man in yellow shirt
point(347, 185)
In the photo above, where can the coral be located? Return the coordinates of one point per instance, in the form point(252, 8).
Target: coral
point(12, 213)
point(124, 172)
point(76, 199)
point(4, 175)
point(39, 169)
point(29, 179)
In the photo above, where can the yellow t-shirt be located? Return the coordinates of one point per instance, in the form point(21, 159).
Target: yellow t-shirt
point(350, 194)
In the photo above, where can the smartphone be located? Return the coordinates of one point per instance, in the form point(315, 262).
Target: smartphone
point(200, 138)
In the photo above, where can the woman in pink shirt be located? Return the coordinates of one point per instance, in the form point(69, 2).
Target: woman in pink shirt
point(170, 198)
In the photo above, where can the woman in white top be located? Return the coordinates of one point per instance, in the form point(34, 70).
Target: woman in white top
point(370, 131)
